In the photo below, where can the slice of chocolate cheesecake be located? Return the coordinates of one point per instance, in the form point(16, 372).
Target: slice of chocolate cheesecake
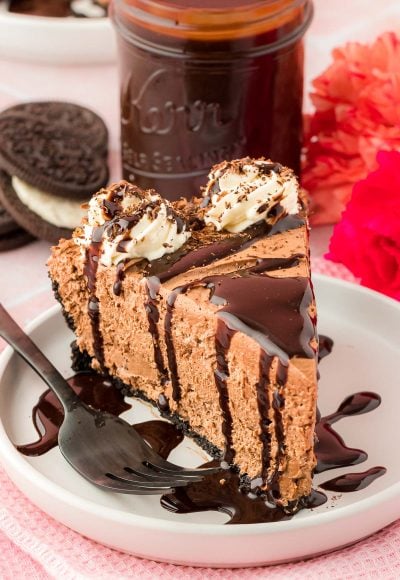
point(206, 308)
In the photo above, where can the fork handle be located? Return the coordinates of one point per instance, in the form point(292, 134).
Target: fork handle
point(27, 349)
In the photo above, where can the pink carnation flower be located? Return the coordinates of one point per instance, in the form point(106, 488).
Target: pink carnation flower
point(367, 239)
point(357, 102)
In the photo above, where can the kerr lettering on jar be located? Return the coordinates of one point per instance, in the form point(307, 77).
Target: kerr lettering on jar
point(203, 81)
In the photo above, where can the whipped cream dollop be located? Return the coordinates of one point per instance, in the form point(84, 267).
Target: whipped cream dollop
point(58, 211)
point(243, 192)
point(132, 224)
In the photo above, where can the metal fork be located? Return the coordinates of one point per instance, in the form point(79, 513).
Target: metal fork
point(103, 448)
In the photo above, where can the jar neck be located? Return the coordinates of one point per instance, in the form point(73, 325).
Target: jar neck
point(244, 26)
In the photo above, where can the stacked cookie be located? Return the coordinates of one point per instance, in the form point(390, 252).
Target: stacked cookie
point(53, 156)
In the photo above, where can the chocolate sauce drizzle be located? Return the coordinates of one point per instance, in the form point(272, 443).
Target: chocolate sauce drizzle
point(325, 346)
point(153, 317)
point(91, 264)
point(119, 278)
point(221, 293)
point(263, 404)
point(171, 355)
point(220, 491)
point(223, 337)
point(115, 225)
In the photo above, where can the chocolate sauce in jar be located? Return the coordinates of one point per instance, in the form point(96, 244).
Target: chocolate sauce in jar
point(206, 81)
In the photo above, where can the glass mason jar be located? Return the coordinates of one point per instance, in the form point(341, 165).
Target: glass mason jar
point(208, 80)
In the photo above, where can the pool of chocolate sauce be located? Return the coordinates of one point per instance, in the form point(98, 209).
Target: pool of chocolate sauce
point(221, 491)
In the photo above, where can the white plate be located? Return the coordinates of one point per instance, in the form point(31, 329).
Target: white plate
point(56, 40)
point(366, 329)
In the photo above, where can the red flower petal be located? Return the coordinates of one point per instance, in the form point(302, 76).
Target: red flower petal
point(367, 239)
point(357, 102)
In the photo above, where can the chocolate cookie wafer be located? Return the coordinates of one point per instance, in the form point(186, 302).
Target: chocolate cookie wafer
point(7, 224)
point(14, 240)
point(80, 121)
point(50, 158)
point(11, 235)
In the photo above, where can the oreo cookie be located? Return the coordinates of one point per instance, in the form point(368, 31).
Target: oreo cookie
point(52, 158)
point(80, 121)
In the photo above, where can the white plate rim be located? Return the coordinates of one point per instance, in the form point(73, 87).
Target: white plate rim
point(27, 471)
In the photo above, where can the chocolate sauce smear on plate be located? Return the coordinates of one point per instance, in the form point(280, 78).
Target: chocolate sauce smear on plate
point(353, 481)
point(330, 448)
point(47, 415)
point(325, 346)
point(220, 491)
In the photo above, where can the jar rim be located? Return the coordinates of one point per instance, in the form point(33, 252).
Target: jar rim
point(214, 20)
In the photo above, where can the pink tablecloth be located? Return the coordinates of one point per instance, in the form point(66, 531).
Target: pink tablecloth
point(33, 545)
